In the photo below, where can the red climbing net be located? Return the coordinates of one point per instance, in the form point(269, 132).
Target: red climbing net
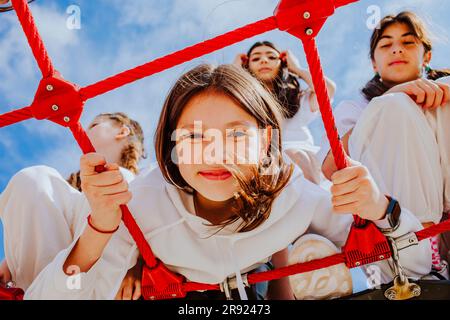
point(62, 102)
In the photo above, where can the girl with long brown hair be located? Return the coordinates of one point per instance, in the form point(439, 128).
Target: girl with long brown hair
point(399, 128)
point(222, 202)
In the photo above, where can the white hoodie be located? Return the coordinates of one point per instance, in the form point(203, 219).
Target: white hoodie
point(187, 246)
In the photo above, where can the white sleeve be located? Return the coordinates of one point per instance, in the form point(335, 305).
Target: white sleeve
point(415, 260)
point(346, 115)
point(334, 227)
point(305, 116)
point(101, 282)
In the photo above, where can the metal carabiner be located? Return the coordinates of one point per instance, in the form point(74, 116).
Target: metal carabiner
point(402, 288)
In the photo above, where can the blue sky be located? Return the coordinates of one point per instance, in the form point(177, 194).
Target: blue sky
point(117, 34)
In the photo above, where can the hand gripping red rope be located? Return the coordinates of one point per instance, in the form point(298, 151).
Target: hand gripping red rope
point(62, 102)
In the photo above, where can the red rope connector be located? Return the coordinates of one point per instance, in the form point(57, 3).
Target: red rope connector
point(365, 244)
point(159, 283)
point(305, 18)
point(11, 293)
point(295, 15)
point(57, 100)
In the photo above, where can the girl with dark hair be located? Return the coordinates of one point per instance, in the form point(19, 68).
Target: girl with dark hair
point(211, 214)
point(281, 73)
point(400, 127)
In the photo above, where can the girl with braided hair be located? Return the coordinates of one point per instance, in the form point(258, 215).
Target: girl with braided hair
point(121, 140)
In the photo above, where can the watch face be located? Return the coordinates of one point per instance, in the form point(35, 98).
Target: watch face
point(394, 213)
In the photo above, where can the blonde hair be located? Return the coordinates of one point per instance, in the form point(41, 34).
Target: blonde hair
point(131, 154)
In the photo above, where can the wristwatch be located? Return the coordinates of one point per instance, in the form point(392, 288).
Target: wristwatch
point(393, 212)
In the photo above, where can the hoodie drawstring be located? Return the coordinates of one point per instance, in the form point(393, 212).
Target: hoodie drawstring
point(237, 272)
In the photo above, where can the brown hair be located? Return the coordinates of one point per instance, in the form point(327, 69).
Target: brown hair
point(286, 87)
point(375, 87)
point(256, 194)
point(131, 154)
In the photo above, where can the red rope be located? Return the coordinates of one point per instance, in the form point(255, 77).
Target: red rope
point(433, 230)
point(296, 269)
point(16, 116)
point(33, 37)
point(178, 57)
point(314, 264)
point(195, 286)
point(275, 274)
point(315, 67)
point(172, 60)
point(82, 138)
point(147, 254)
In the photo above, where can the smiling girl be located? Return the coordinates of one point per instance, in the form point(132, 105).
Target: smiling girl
point(399, 128)
point(281, 73)
point(210, 216)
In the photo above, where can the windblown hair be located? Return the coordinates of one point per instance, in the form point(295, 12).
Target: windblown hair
point(269, 176)
point(376, 87)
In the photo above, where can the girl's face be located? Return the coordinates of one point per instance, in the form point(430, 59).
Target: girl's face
point(399, 56)
point(104, 134)
point(264, 63)
point(213, 130)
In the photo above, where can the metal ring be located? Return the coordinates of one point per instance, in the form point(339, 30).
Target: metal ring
point(10, 7)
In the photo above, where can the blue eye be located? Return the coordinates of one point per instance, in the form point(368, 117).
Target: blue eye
point(237, 134)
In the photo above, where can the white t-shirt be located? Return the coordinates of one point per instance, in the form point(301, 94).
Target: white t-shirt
point(346, 115)
point(127, 174)
point(295, 129)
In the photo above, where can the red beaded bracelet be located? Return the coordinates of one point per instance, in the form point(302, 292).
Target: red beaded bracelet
point(98, 230)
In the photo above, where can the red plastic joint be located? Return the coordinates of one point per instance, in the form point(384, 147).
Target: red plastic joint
point(159, 283)
point(366, 244)
point(57, 100)
point(303, 18)
point(11, 293)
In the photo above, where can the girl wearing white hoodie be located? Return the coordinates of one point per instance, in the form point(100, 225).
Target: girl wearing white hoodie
point(51, 228)
point(209, 212)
